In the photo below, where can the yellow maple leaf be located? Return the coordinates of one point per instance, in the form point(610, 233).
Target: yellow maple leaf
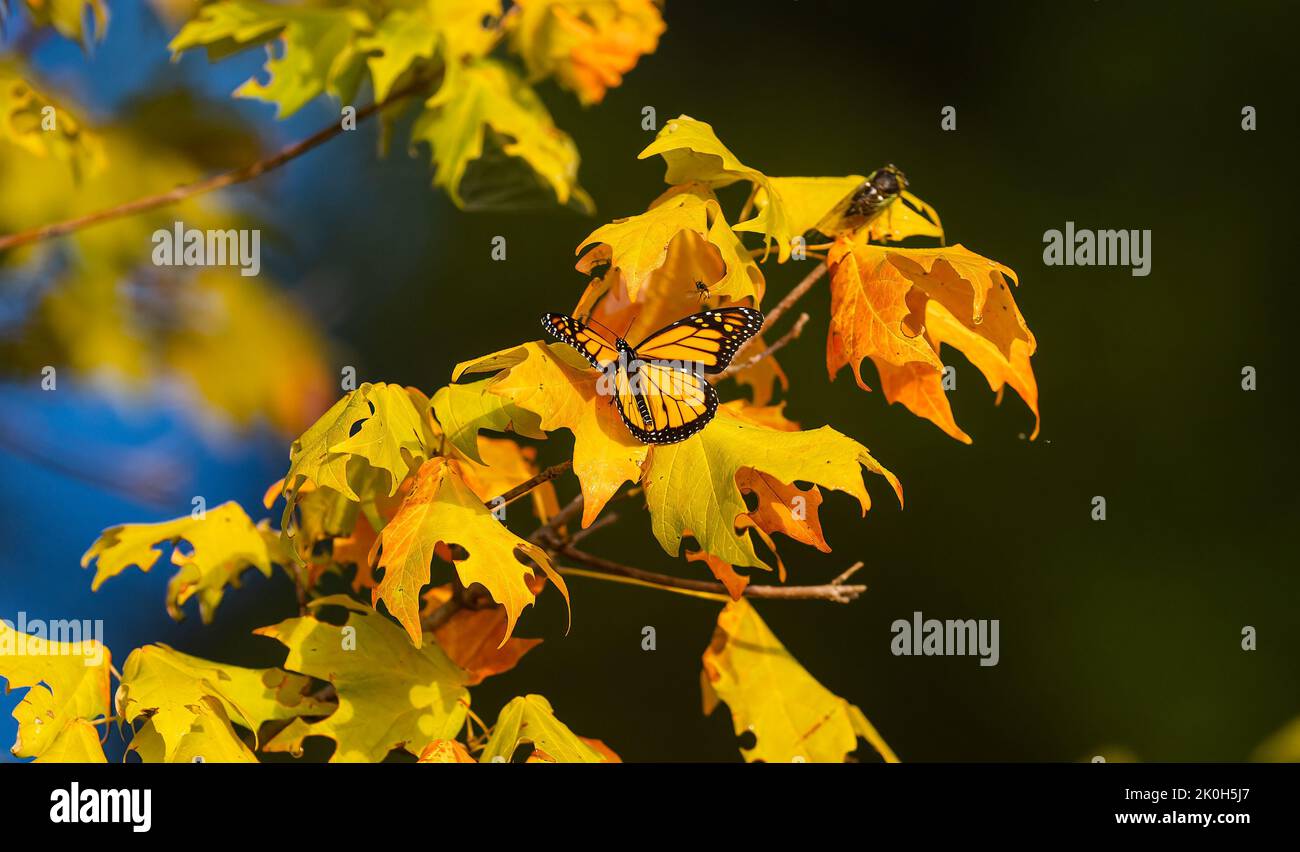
point(223, 543)
point(189, 703)
point(530, 719)
point(792, 717)
point(441, 510)
point(553, 382)
point(588, 45)
point(695, 154)
point(391, 694)
point(68, 691)
point(406, 39)
point(811, 204)
point(730, 276)
point(487, 95)
point(691, 487)
point(463, 410)
point(384, 425)
point(973, 288)
point(210, 738)
point(319, 50)
point(638, 245)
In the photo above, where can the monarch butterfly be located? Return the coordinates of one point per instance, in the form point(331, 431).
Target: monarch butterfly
point(658, 385)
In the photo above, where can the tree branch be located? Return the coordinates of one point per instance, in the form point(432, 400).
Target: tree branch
point(523, 488)
point(795, 294)
point(230, 178)
point(793, 333)
point(835, 591)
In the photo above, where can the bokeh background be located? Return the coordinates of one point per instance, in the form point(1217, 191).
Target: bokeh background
point(1122, 635)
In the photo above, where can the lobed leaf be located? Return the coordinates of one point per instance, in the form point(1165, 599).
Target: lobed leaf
point(67, 692)
point(391, 694)
point(441, 511)
point(530, 719)
point(223, 543)
point(691, 487)
point(792, 717)
point(189, 704)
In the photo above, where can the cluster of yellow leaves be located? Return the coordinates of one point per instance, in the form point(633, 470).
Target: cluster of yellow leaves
point(793, 717)
point(206, 329)
point(387, 695)
point(392, 479)
point(481, 109)
point(694, 487)
point(188, 706)
point(897, 306)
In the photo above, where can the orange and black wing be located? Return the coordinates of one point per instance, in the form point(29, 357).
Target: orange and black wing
point(599, 350)
point(663, 403)
point(709, 338)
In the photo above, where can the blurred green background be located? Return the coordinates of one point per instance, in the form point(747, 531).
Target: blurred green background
point(1117, 634)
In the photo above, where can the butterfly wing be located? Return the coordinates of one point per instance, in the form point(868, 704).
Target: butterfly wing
point(663, 403)
point(595, 347)
point(709, 338)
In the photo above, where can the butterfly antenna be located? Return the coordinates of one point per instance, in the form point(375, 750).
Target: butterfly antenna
point(594, 321)
point(631, 323)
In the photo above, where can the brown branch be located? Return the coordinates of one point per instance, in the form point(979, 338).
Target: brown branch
point(230, 178)
point(523, 488)
point(835, 591)
point(603, 521)
point(548, 534)
point(795, 294)
point(790, 335)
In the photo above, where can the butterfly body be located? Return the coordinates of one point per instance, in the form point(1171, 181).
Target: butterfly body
point(658, 385)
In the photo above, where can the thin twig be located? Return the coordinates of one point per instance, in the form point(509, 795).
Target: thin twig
point(793, 333)
point(602, 521)
point(796, 294)
point(230, 178)
point(547, 533)
point(523, 488)
point(835, 591)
